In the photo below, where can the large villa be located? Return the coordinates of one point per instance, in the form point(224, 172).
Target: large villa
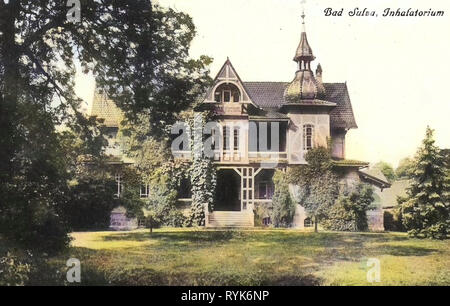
point(301, 114)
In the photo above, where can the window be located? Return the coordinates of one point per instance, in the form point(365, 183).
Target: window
point(145, 191)
point(265, 190)
point(118, 178)
point(308, 136)
point(227, 93)
point(236, 139)
point(234, 145)
point(226, 144)
point(185, 189)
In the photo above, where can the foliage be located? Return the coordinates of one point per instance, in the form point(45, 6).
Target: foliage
point(393, 221)
point(426, 208)
point(386, 169)
point(138, 53)
point(261, 211)
point(283, 205)
point(90, 204)
point(203, 174)
point(164, 183)
point(350, 211)
point(147, 152)
point(316, 182)
point(405, 168)
point(33, 183)
point(13, 271)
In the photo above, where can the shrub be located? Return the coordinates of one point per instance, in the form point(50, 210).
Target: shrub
point(393, 221)
point(261, 211)
point(90, 204)
point(13, 271)
point(283, 205)
point(349, 213)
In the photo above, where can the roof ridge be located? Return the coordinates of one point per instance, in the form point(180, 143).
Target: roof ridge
point(266, 82)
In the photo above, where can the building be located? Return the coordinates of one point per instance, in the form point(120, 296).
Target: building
point(263, 126)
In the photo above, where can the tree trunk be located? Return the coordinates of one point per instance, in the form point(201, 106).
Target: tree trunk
point(315, 224)
point(9, 55)
point(151, 225)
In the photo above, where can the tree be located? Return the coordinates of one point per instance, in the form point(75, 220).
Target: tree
point(318, 184)
point(138, 53)
point(426, 208)
point(405, 168)
point(386, 169)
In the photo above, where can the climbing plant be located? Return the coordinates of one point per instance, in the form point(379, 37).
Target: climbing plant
point(203, 173)
point(283, 204)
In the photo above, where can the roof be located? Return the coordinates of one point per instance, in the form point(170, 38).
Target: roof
point(304, 49)
point(388, 197)
point(375, 176)
point(106, 109)
point(269, 114)
point(271, 95)
point(342, 116)
point(349, 163)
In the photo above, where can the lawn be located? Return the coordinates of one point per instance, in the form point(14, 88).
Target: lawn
point(255, 257)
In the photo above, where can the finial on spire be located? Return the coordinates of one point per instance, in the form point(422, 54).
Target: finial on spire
point(303, 15)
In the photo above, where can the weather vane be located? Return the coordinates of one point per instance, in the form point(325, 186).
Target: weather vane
point(303, 14)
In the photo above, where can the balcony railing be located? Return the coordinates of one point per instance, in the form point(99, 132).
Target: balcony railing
point(267, 156)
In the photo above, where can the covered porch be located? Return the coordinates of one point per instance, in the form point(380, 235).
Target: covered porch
point(238, 189)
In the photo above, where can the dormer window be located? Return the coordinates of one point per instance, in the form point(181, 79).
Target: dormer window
point(308, 137)
point(227, 93)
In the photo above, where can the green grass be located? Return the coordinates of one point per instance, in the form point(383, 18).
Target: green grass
point(254, 257)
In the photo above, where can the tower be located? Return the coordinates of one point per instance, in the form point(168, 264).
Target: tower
point(304, 86)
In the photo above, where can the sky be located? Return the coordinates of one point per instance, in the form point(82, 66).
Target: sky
point(396, 68)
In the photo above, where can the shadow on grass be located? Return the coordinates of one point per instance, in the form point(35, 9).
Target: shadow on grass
point(187, 236)
point(404, 250)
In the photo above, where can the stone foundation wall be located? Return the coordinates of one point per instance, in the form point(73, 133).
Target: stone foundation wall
point(120, 222)
point(375, 220)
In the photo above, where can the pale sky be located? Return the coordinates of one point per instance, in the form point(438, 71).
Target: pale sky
point(396, 68)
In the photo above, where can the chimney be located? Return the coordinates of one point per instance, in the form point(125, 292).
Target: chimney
point(320, 88)
point(319, 73)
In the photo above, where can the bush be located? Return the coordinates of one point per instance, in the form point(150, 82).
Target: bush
point(283, 205)
point(261, 211)
point(349, 213)
point(393, 221)
point(13, 271)
point(90, 204)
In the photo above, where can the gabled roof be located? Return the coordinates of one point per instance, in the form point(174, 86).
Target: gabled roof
point(228, 74)
point(271, 95)
point(374, 176)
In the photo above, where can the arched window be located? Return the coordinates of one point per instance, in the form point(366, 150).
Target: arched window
point(227, 93)
point(308, 136)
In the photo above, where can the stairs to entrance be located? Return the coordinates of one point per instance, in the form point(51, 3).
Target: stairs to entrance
point(230, 219)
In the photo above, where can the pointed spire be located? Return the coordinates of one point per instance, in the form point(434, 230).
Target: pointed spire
point(304, 86)
point(304, 51)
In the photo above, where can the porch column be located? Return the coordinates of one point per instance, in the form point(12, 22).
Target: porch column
point(247, 175)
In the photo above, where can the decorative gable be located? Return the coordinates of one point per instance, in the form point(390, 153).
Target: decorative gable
point(228, 87)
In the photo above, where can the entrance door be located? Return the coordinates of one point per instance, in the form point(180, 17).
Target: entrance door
point(228, 192)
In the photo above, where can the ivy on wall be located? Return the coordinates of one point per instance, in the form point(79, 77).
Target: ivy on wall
point(203, 173)
point(283, 204)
